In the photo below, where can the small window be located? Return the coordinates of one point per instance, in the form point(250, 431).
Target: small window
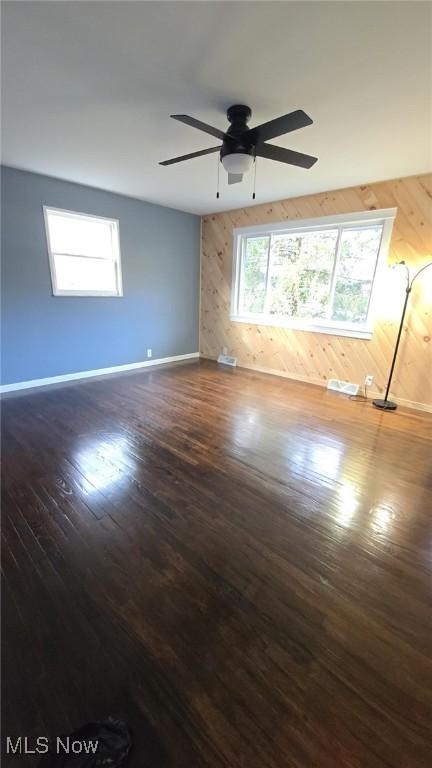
point(314, 275)
point(84, 254)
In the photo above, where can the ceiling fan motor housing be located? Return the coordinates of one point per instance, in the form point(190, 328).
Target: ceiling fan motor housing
point(239, 113)
point(238, 116)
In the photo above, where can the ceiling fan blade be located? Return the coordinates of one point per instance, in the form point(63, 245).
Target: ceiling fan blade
point(190, 156)
point(235, 178)
point(279, 126)
point(283, 155)
point(200, 125)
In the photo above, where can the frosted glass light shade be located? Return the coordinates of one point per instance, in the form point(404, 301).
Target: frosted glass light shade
point(238, 162)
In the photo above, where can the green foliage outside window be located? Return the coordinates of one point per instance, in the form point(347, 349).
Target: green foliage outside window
point(254, 274)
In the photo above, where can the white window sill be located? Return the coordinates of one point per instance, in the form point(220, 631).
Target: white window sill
point(90, 294)
point(298, 325)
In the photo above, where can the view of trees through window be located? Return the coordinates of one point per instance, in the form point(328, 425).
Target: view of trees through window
point(315, 275)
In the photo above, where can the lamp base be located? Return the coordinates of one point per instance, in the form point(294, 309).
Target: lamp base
point(385, 405)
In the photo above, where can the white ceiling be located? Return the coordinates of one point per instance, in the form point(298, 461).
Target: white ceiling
point(88, 88)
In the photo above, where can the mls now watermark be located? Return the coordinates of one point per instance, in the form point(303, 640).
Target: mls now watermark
point(22, 745)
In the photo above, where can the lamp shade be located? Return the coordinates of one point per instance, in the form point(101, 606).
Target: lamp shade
point(237, 162)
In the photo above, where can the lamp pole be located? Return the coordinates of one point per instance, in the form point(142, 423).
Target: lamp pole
point(386, 404)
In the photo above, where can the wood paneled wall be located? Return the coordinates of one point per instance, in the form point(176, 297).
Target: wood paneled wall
point(316, 357)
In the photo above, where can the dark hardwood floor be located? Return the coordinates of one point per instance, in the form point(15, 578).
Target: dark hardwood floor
point(238, 565)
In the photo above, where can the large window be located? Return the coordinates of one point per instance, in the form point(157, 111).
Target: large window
point(313, 275)
point(84, 254)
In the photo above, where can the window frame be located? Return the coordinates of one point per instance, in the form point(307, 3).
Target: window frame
point(115, 225)
point(384, 216)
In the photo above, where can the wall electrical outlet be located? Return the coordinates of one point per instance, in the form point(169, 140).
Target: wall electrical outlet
point(149, 353)
point(368, 381)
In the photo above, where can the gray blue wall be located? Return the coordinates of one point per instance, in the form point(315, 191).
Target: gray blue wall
point(45, 335)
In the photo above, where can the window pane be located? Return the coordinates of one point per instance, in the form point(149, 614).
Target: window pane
point(75, 273)
point(301, 266)
point(358, 256)
point(253, 275)
point(351, 301)
point(80, 235)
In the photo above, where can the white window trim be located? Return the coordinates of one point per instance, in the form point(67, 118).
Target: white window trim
point(117, 260)
point(386, 216)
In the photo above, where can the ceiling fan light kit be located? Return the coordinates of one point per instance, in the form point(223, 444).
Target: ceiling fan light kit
point(241, 145)
point(237, 162)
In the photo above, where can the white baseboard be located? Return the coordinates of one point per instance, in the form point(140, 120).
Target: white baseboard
point(323, 383)
point(98, 372)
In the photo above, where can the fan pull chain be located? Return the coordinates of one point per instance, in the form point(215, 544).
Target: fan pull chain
point(254, 183)
point(218, 164)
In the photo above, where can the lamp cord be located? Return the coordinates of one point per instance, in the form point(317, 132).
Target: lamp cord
point(360, 398)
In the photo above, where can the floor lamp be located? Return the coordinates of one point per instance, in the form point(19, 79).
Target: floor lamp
point(386, 404)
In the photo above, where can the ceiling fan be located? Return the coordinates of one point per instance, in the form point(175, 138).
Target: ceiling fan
point(242, 145)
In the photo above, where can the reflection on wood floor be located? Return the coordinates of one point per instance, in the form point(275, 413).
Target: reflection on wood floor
point(238, 565)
